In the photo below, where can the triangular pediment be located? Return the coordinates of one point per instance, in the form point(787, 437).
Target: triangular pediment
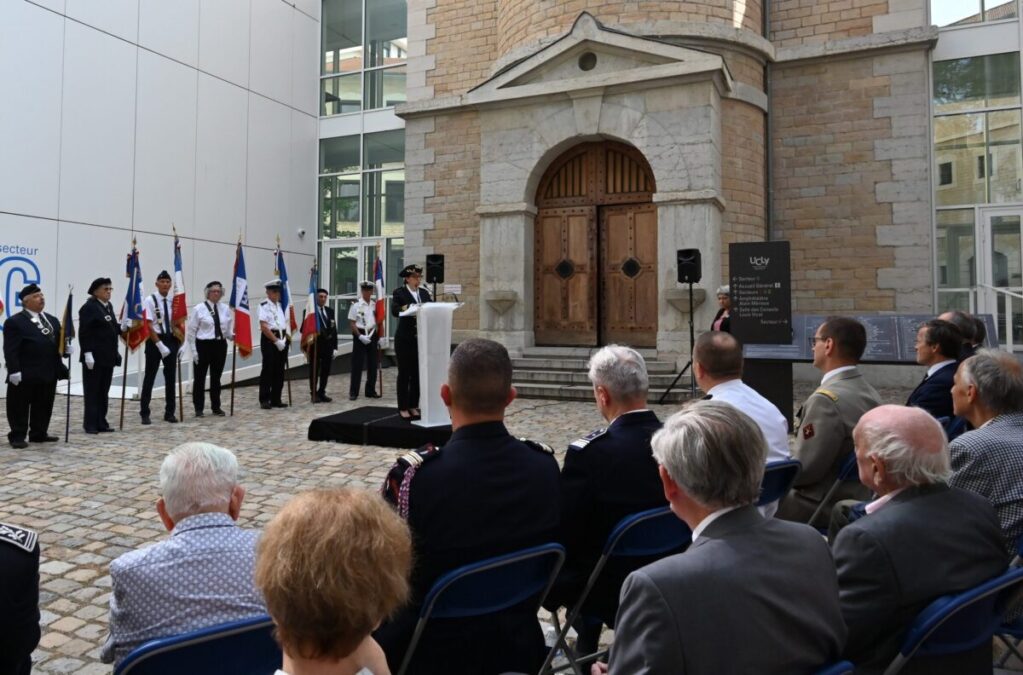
point(591, 56)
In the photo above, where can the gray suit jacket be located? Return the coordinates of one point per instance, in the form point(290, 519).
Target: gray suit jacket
point(751, 595)
point(926, 542)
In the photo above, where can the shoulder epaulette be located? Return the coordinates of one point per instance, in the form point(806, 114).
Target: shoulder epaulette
point(581, 443)
point(827, 392)
point(265, 301)
point(21, 537)
point(538, 446)
point(398, 483)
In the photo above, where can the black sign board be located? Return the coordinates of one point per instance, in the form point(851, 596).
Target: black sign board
point(761, 292)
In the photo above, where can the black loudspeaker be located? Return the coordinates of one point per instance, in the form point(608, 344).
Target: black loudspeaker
point(435, 268)
point(689, 268)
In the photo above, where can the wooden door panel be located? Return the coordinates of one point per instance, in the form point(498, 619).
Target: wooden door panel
point(566, 282)
point(628, 236)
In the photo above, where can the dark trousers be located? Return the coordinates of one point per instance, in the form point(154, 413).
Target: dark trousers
point(29, 407)
point(170, 364)
point(212, 356)
point(96, 383)
point(324, 360)
point(363, 355)
point(407, 351)
point(271, 375)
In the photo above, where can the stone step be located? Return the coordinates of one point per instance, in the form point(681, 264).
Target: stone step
point(579, 377)
point(554, 363)
point(584, 353)
point(559, 392)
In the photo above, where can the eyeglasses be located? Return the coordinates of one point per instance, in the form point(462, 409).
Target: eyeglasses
point(814, 340)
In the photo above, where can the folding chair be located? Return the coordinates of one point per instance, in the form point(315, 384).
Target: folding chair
point(778, 479)
point(1011, 631)
point(846, 472)
point(655, 532)
point(957, 623)
point(245, 647)
point(840, 668)
point(487, 587)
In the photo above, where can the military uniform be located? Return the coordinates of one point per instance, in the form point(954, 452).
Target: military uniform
point(271, 375)
point(824, 440)
point(609, 474)
point(483, 494)
point(19, 599)
point(98, 331)
point(406, 340)
point(326, 343)
point(158, 309)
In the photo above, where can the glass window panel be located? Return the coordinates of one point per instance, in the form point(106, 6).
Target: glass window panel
point(1004, 165)
point(339, 155)
point(976, 82)
point(995, 10)
point(395, 263)
point(340, 95)
point(344, 270)
point(385, 88)
point(384, 150)
point(955, 249)
point(949, 301)
point(1006, 251)
point(386, 32)
point(339, 207)
point(341, 36)
point(958, 139)
point(954, 12)
point(384, 203)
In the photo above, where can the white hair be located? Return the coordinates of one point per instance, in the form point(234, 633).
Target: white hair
point(197, 478)
point(724, 290)
point(620, 370)
point(903, 460)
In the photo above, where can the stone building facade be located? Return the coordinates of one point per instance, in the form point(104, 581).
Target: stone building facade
point(808, 124)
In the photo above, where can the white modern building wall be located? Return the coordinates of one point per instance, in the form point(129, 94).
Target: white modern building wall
point(121, 118)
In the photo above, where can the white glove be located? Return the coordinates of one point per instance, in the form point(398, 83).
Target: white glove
point(125, 323)
point(15, 378)
point(365, 339)
point(69, 350)
point(281, 344)
point(164, 349)
point(90, 362)
point(229, 336)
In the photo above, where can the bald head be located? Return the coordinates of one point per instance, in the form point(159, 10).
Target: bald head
point(898, 447)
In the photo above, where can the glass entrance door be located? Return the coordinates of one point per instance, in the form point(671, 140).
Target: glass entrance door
point(1001, 272)
point(343, 266)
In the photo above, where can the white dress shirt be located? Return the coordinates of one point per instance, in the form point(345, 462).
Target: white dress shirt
point(938, 366)
point(272, 315)
point(832, 373)
point(153, 304)
point(363, 314)
point(770, 420)
point(201, 326)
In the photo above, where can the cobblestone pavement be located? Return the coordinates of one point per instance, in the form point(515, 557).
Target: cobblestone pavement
point(93, 498)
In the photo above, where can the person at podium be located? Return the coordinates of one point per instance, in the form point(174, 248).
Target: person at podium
point(405, 303)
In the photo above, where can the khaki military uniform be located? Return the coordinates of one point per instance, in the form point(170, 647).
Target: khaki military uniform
point(823, 440)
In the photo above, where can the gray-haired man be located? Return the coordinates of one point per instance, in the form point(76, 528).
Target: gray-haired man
point(751, 594)
point(203, 574)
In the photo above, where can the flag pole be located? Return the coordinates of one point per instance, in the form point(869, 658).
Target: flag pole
point(67, 343)
point(313, 368)
point(124, 384)
point(287, 365)
point(234, 366)
point(181, 386)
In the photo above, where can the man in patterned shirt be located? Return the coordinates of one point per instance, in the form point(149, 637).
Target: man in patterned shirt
point(988, 392)
point(156, 590)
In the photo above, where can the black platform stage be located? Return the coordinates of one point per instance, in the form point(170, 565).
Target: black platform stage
point(375, 425)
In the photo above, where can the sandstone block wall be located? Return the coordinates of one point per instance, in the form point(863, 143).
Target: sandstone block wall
point(742, 176)
point(799, 22)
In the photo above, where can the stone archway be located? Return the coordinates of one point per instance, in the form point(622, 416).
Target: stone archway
point(595, 249)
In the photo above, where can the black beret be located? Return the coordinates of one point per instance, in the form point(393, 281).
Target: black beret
point(99, 283)
point(212, 284)
point(411, 269)
point(322, 290)
point(163, 275)
point(31, 289)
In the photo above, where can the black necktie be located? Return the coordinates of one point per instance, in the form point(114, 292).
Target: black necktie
point(46, 322)
point(166, 318)
point(216, 322)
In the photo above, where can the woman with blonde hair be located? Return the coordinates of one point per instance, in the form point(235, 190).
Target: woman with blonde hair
point(331, 565)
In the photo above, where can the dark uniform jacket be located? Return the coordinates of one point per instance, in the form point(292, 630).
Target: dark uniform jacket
point(29, 352)
point(934, 394)
point(608, 475)
point(19, 599)
point(483, 494)
point(98, 330)
point(400, 301)
point(328, 333)
point(927, 541)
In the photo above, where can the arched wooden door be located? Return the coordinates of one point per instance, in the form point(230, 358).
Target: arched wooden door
point(596, 249)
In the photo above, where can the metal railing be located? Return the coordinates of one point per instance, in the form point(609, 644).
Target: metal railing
point(1008, 319)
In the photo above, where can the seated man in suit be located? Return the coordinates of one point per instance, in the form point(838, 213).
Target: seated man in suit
point(967, 326)
point(483, 494)
point(826, 420)
point(988, 392)
point(920, 539)
point(751, 594)
point(608, 474)
point(203, 574)
point(938, 344)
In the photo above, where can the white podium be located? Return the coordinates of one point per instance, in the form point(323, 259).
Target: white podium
point(434, 353)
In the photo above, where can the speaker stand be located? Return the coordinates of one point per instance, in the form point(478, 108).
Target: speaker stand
point(692, 344)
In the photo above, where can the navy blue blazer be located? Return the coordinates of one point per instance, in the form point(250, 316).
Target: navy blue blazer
point(934, 394)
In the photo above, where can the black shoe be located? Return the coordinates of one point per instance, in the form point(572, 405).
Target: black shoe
point(265, 406)
point(279, 405)
point(323, 398)
point(199, 413)
point(218, 412)
point(416, 416)
point(145, 420)
point(106, 430)
point(353, 397)
point(170, 418)
point(44, 439)
point(93, 431)
point(373, 395)
point(19, 445)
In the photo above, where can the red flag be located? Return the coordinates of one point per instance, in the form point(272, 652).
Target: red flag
point(179, 306)
point(240, 304)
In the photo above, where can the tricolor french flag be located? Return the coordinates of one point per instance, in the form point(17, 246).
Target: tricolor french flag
point(378, 278)
point(179, 306)
point(311, 319)
point(240, 304)
point(286, 304)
